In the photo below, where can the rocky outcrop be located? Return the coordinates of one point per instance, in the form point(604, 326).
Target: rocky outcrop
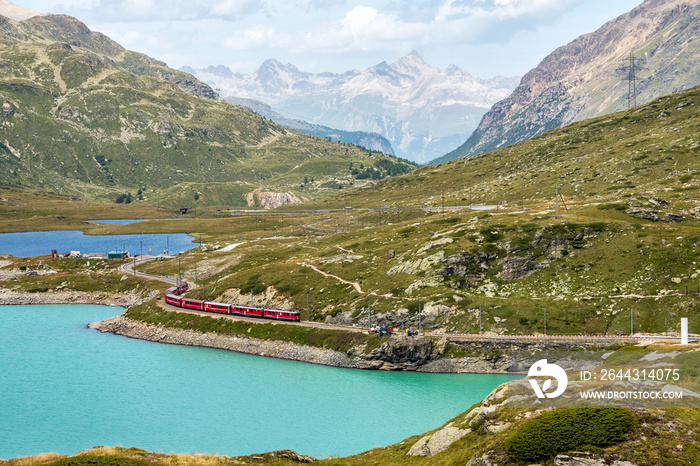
point(269, 298)
point(438, 442)
point(517, 267)
point(399, 353)
point(415, 266)
point(270, 200)
point(656, 201)
point(644, 214)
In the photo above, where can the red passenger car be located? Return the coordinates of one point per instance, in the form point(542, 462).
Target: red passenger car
point(217, 307)
point(193, 304)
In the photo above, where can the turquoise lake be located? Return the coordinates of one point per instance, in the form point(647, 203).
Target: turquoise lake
point(37, 243)
point(65, 388)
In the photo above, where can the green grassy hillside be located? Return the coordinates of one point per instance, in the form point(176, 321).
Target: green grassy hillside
point(81, 115)
point(625, 239)
point(652, 149)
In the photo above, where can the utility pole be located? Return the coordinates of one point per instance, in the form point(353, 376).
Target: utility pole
point(629, 71)
point(631, 320)
point(545, 320)
point(481, 328)
point(556, 202)
point(179, 272)
point(420, 323)
point(369, 313)
point(443, 204)
point(522, 194)
point(308, 308)
point(251, 297)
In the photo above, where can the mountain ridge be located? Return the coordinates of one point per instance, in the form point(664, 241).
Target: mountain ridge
point(82, 115)
point(370, 141)
point(584, 78)
point(422, 110)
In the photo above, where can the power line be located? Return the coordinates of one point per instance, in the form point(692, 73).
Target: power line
point(629, 70)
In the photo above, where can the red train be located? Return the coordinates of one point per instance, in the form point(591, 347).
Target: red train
point(172, 297)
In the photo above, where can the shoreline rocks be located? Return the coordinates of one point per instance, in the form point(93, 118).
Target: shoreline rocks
point(395, 354)
point(10, 297)
point(121, 325)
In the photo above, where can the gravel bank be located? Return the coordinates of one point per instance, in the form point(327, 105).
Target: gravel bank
point(8, 297)
point(385, 357)
point(121, 325)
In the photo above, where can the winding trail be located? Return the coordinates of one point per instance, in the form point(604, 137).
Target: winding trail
point(128, 267)
point(325, 274)
point(354, 284)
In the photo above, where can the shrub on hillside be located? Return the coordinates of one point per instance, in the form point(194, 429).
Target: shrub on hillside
point(569, 429)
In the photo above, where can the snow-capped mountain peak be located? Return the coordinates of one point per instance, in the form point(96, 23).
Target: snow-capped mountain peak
point(424, 111)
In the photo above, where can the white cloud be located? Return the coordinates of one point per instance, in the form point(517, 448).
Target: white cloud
point(255, 38)
point(104, 11)
point(364, 28)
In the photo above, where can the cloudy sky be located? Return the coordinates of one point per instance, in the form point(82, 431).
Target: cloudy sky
point(484, 37)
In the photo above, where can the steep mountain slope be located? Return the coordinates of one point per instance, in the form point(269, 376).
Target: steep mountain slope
point(422, 110)
point(371, 141)
point(82, 115)
point(587, 77)
point(648, 150)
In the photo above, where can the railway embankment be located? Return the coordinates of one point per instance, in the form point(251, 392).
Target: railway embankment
point(396, 353)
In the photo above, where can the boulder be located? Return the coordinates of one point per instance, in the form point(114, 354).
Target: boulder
point(645, 214)
point(419, 265)
point(658, 202)
point(438, 442)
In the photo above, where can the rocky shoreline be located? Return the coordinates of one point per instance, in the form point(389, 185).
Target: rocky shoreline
point(10, 297)
point(121, 325)
point(396, 354)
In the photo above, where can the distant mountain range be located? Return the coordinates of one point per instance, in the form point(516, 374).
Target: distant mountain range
point(423, 111)
point(590, 76)
point(371, 141)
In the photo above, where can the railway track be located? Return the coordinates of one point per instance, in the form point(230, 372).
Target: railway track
point(128, 267)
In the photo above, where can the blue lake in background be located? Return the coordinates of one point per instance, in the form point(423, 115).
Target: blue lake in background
point(37, 243)
point(118, 221)
point(127, 221)
point(65, 388)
